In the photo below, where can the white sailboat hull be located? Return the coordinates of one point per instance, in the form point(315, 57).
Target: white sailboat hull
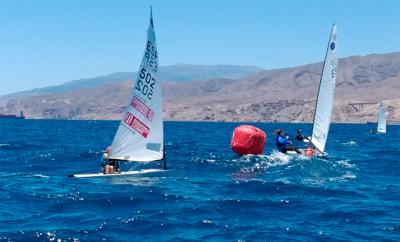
point(317, 154)
point(303, 153)
point(144, 172)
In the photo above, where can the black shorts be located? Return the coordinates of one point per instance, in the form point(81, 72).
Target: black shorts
point(290, 148)
point(114, 163)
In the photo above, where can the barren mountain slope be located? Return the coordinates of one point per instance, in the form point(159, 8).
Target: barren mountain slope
point(274, 95)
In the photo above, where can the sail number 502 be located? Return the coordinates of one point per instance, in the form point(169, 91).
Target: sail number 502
point(145, 84)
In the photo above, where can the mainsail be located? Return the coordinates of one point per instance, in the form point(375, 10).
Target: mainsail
point(381, 119)
point(323, 110)
point(140, 134)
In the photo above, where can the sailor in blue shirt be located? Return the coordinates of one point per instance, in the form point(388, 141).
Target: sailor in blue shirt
point(283, 143)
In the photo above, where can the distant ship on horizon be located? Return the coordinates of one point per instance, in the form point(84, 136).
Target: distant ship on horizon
point(20, 115)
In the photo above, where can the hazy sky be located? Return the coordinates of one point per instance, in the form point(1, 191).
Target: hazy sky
point(48, 42)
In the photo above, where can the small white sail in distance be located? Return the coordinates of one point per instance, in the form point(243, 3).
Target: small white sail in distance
point(381, 119)
point(140, 134)
point(324, 104)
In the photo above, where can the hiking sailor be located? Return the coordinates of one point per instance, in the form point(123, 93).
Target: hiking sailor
point(300, 136)
point(283, 143)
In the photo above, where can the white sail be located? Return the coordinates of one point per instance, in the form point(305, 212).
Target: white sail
point(140, 134)
point(323, 111)
point(381, 119)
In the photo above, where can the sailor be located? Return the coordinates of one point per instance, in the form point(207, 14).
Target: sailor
point(108, 166)
point(104, 161)
point(283, 143)
point(300, 136)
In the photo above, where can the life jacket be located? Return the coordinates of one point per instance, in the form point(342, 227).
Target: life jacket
point(104, 160)
point(281, 142)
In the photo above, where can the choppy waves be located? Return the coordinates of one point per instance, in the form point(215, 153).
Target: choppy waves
point(208, 194)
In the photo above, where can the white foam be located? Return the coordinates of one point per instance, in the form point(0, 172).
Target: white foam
point(346, 164)
point(345, 177)
point(249, 158)
point(9, 174)
point(283, 180)
point(205, 221)
point(40, 175)
point(278, 158)
point(350, 143)
point(23, 175)
point(303, 157)
point(264, 162)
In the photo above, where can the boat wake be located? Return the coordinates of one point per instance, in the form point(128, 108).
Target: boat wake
point(22, 175)
point(136, 181)
point(279, 167)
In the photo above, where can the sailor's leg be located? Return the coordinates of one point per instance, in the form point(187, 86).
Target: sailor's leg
point(292, 148)
point(108, 169)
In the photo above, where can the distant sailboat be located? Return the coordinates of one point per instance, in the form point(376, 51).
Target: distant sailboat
point(140, 135)
point(381, 119)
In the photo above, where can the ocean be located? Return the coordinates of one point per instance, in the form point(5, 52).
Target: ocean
point(209, 193)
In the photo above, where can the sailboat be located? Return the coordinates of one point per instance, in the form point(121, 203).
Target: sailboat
point(326, 92)
point(140, 136)
point(381, 119)
point(324, 103)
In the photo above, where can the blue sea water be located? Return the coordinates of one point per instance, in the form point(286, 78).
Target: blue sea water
point(208, 195)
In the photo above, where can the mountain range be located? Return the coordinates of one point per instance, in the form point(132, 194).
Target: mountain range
point(229, 93)
point(176, 73)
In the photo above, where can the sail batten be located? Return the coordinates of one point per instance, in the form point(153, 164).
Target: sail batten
point(140, 134)
point(381, 119)
point(324, 103)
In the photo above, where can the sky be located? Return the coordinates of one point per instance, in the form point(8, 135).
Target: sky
point(48, 42)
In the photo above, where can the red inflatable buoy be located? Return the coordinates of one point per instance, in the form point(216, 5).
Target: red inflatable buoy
point(248, 139)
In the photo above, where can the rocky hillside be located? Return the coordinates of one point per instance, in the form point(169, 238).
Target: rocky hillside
point(273, 95)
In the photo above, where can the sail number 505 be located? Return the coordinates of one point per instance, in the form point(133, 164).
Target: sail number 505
point(145, 84)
